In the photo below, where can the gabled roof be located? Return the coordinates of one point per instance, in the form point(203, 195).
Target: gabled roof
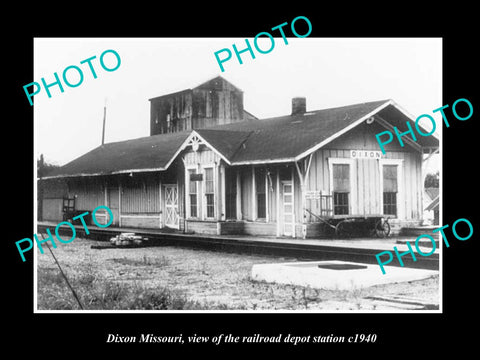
point(292, 137)
point(285, 138)
point(280, 139)
point(225, 142)
point(217, 83)
point(150, 153)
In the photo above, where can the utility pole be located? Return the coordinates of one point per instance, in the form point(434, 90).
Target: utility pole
point(104, 119)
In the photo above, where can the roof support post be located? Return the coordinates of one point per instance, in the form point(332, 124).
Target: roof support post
point(294, 218)
point(267, 196)
point(302, 175)
point(105, 195)
point(162, 223)
point(222, 192)
point(254, 196)
point(279, 222)
point(238, 196)
point(119, 202)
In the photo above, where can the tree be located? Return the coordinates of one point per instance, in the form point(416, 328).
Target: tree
point(44, 168)
point(432, 180)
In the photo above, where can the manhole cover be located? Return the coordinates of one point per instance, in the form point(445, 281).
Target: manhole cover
point(342, 266)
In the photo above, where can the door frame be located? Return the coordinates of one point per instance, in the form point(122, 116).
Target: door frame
point(166, 205)
point(282, 212)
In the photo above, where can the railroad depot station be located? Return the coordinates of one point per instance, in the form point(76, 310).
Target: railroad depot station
point(211, 167)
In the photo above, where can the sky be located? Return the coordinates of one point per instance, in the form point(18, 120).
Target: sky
point(329, 72)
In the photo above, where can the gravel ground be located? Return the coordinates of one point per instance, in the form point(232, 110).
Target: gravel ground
point(219, 280)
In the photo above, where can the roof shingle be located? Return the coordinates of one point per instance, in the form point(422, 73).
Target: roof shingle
point(275, 139)
point(142, 154)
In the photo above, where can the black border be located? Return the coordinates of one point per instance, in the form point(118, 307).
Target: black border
point(409, 333)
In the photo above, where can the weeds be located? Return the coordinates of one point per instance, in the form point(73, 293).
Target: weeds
point(103, 294)
point(145, 261)
point(168, 279)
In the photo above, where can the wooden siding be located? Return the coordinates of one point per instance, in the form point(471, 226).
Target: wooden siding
point(216, 107)
point(148, 222)
point(363, 137)
point(201, 227)
point(50, 194)
point(140, 194)
point(89, 193)
point(247, 197)
point(171, 113)
point(52, 209)
point(215, 102)
point(53, 188)
point(198, 160)
point(259, 228)
point(248, 228)
point(368, 192)
point(203, 156)
point(232, 227)
point(113, 202)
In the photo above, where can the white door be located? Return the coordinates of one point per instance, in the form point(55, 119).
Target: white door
point(287, 209)
point(171, 206)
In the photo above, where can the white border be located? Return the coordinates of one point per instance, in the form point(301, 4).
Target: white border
point(329, 311)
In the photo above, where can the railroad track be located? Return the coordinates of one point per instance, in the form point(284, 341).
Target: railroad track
point(257, 246)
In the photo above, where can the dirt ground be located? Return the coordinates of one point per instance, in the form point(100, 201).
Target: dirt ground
point(218, 280)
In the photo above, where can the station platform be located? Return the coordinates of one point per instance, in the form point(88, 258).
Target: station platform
point(349, 249)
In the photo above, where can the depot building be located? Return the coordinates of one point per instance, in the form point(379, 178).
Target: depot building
point(209, 166)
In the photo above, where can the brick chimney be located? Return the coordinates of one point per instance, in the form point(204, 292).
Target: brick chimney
point(299, 105)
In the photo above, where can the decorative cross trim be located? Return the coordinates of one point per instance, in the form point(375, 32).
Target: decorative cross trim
point(195, 142)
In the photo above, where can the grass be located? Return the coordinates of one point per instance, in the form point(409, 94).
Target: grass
point(96, 293)
point(145, 261)
point(170, 278)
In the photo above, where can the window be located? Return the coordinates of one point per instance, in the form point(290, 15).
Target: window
point(209, 193)
point(340, 203)
point(341, 188)
point(390, 203)
point(260, 193)
point(390, 189)
point(68, 204)
point(192, 188)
